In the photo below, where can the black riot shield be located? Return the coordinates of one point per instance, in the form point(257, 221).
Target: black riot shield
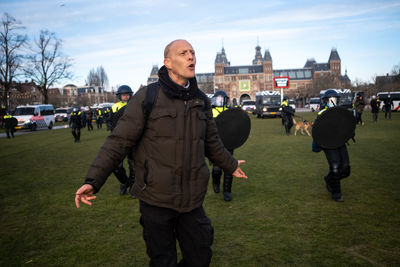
point(334, 127)
point(233, 127)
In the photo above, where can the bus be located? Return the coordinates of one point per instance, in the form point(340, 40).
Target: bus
point(34, 116)
point(395, 97)
point(267, 104)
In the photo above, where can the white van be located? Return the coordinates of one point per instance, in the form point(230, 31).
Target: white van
point(314, 104)
point(34, 116)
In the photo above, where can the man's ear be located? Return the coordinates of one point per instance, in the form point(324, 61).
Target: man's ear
point(167, 63)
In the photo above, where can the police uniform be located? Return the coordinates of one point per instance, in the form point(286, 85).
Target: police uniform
point(117, 111)
point(216, 170)
point(99, 118)
point(287, 113)
point(9, 125)
point(76, 124)
point(338, 160)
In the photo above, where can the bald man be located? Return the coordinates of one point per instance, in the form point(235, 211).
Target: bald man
point(171, 145)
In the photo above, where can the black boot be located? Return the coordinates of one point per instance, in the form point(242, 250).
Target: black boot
point(227, 187)
point(216, 178)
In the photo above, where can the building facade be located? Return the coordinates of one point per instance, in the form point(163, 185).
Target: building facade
point(243, 82)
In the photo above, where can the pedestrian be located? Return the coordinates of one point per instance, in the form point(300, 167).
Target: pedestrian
point(124, 94)
point(388, 105)
point(89, 118)
point(99, 118)
point(171, 144)
point(76, 124)
point(220, 103)
point(338, 157)
point(358, 105)
point(287, 113)
point(374, 103)
point(10, 123)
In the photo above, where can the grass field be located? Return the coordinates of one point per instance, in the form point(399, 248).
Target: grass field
point(281, 216)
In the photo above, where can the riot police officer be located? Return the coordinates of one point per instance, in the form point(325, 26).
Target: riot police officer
point(220, 103)
point(124, 94)
point(338, 158)
point(76, 123)
point(10, 122)
point(287, 113)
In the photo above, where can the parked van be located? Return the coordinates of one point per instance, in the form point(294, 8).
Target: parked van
point(314, 103)
point(62, 114)
point(34, 116)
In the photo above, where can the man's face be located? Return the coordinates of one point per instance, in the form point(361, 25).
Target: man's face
point(181, 62)
point(125, 97)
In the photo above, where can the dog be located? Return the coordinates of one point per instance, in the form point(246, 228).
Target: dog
point(303, 126)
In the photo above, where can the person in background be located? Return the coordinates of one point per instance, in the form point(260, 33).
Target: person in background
point(388, 105)
point(75, 123)
point(287, 113)
point(220, 103)
point(358, 106)
point(374, 103)
point(89, 118)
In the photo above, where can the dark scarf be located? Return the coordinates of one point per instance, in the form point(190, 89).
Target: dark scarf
point(174, 90)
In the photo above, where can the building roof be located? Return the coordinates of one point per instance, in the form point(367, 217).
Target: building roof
point(244, 69)
point(258, 58)
point(310, 63)
point(267, 56)
point(221, 58)
point(294, 74)
point(334, 55)
point(321, 67)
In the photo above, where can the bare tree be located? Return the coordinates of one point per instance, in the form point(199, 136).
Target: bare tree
point(46, 64)
point(11, 44)
point(97, 77)
point(396, 69)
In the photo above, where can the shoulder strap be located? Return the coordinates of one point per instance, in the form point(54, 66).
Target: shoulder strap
point(150, 100)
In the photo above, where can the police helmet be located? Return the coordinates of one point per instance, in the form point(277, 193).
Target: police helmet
point(285, 98)
point(220, 99)
point(75, 109)
point(330, 98)
point(124, 89)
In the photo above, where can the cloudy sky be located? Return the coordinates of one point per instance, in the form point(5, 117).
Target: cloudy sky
point(128, 37)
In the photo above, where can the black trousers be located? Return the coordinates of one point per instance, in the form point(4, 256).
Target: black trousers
point(162, 227)
point(76, 132)
point(339, 167)
point(288, 123)
point(228, 177)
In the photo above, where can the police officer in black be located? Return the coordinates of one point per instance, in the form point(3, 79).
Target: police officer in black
point(287, 113)
point(124, 94)
point(338, 158)
point(220, 103)
point(75, 123)
point(10, 122)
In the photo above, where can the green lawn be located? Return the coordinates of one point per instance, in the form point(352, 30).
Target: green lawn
point(281, 216)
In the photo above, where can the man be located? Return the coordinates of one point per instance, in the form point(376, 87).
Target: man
point(124, 94)
point(76, 124)
point(388, 105)
point(287, 113)
point(358, 106)
point(89, 118)
point(99, 118)
point(338, 158)
point(220, 103)
point(171, 173)
point(10, 122)
point(374, 103)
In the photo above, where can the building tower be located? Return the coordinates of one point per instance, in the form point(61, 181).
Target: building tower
point(334, 62)
point(220, 63)
point(268, 71)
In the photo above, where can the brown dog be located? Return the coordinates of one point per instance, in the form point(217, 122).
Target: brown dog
point(303, 126)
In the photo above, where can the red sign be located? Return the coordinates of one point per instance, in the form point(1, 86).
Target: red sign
point(282, 82)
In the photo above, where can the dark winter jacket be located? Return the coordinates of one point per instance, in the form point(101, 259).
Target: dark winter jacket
point(374, 106)
point(170, 148)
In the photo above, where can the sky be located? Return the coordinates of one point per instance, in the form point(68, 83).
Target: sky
point(128, 37)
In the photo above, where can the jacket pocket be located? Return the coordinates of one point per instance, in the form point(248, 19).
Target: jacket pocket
point(201, 124)
point(164, 122)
